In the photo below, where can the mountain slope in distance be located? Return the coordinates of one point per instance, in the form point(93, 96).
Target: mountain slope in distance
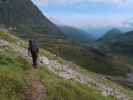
point(110, 35)
point(121, 44)
point(76, 34)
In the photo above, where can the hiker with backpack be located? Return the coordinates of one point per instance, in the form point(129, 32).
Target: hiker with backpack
point(33, 49)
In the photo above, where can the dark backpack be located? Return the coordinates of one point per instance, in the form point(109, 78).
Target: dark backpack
point(34, 46)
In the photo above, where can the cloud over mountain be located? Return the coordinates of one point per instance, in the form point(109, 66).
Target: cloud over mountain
point(40, 2)
point(84, 1)
point(88, 13)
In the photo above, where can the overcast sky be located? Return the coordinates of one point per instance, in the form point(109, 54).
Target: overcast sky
point(88, 13)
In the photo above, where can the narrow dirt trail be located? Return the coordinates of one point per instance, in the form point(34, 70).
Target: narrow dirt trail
point(36, 90)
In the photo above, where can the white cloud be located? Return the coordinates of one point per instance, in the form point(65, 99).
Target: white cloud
point(90, 20)
point(40, 2)
point(82, 1)
point(125, 2)
point(84, 19)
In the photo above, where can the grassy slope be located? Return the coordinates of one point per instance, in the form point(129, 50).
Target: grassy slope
point(76, 53)
point(60, 89)
point(88, 58)
point(13, 69)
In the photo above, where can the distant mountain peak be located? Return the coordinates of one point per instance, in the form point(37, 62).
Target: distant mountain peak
point(111, 34)
point(113, 30)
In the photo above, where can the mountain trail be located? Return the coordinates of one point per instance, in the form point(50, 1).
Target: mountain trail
point(35, 90)
point(69, 71)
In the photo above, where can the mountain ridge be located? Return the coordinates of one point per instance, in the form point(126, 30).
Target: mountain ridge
point(122, 44)
point(24, 16)
point(76, 34)
point(109, 35)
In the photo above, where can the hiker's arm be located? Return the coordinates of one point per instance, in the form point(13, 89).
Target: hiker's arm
point(28, 51)
point(38, 50)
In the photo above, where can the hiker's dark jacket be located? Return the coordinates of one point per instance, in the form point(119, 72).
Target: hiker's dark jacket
point(33, 49)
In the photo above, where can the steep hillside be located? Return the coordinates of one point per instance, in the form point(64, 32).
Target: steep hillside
point(122, 44)
point(120, 48)
point(56, 79)
point(76, 35)
point(22, 16)
point(89, 58)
